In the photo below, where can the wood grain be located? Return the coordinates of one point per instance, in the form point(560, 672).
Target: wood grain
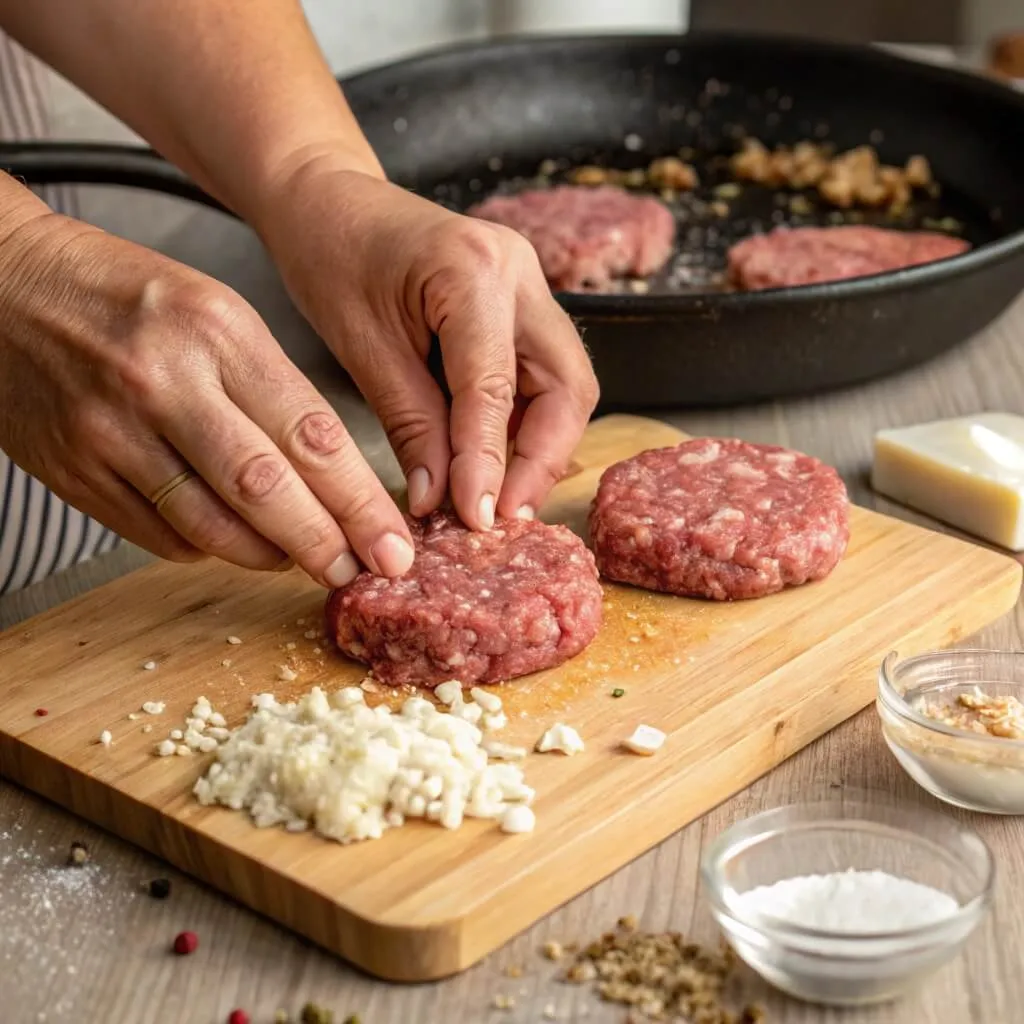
point(423, 903)
point(100, 952)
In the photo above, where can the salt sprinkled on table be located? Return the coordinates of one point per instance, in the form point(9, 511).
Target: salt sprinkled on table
point(851, 902)
point(50, 909)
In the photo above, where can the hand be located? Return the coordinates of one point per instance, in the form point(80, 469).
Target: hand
point(377, 271)
point(120, 370)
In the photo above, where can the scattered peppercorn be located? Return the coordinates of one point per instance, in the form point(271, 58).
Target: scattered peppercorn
point(352, 1018)
point(313, 1014)
point(185, 943)
point(238, 1017)
point(78, 854)
point(41, 712)
point(618, 692)
point(160, 888)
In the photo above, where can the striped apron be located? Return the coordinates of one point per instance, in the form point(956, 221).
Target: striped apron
point(39, 533)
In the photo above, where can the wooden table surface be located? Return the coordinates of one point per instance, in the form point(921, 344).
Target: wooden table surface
point(89, 946)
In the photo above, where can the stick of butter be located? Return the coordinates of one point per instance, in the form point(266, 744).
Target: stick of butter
point(967, 472)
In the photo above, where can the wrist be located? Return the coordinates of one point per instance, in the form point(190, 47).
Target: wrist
point(320, 183)
point(282, 181)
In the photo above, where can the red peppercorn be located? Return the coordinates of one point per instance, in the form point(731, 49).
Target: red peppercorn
point(238, 1017)
point(41, 712)
point(186, 943)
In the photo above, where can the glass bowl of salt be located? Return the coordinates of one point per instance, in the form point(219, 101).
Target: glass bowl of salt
point(847, 902)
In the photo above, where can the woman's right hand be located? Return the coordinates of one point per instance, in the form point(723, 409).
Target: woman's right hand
point(121, 370)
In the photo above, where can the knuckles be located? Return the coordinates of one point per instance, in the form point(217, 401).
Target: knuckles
point(406, 426)
point(317, 436)
point(489, 249)
point(257, 478)
point(498, 389)
point(179, 328)
point(198, 308)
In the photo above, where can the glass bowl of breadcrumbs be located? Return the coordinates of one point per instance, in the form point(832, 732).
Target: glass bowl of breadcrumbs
point(955, 722)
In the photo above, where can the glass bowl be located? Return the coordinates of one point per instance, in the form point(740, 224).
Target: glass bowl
point(846, 967)
point(967, 769)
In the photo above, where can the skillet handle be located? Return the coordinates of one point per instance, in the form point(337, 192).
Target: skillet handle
point(89, 163)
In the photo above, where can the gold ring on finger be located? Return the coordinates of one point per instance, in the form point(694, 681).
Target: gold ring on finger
point(159, 498)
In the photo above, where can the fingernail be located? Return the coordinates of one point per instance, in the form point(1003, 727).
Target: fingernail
point(342, 571)
point(418, 486)
point(392, 554)
point(525, 512)
point(487, 511)
point(284, 566)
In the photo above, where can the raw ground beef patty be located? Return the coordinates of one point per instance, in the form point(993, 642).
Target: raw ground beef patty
point(477, 607)
point(787, 257)
point(719, 519)
point(586, 237)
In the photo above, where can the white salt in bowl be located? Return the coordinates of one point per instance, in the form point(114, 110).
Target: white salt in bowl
point(838, 955)
point(966, 769)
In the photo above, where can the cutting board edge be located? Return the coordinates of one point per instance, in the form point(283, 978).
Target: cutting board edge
point(449, 946)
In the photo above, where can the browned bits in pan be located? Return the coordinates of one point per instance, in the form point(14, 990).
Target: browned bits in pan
point(589, 175)
point(753, 162)
point(854, 179)
point(918, 172)
point(667, 174)
point(671, 172)
point(810, 164)
point(800, 206)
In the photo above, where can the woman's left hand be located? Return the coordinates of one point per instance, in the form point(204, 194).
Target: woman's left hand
point(377, 271)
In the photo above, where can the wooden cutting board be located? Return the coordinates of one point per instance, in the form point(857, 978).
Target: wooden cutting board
point(738, 688)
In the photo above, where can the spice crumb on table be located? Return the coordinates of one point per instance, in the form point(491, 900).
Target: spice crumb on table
point(78, 854)
point(659, 976)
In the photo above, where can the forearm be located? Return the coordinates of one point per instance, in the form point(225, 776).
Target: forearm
point(235, 92)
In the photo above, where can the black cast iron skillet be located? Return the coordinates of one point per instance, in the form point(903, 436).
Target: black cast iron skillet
point(457, 124)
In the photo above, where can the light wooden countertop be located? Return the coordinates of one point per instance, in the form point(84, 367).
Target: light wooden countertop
point(89, 946)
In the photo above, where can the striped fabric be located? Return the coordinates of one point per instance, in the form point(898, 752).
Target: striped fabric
point(39, 534)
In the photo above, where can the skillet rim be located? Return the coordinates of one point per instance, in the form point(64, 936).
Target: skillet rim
point(631, 305)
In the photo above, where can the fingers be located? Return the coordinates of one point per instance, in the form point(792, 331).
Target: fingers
point(473, 314)
point(535, 467)
point(193, 510)
point(283, 461)
point(559, 384)
point(114, 503)
point(414, 414)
